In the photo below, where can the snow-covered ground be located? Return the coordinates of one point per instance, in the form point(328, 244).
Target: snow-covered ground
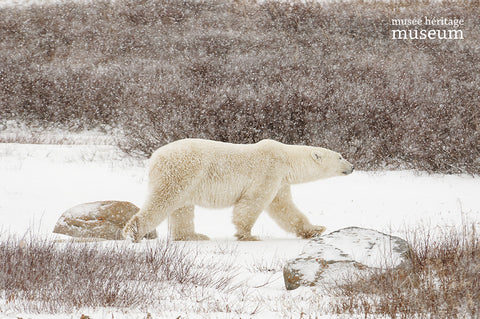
point(39, 182)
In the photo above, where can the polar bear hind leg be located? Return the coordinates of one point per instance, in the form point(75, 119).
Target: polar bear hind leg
point(143, 222)
point(181, 225)
point(288, 216)
point(166, 194)
point(155, 210)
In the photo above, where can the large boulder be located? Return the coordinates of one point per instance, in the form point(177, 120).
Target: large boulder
point(338, 255)
point(103, 219)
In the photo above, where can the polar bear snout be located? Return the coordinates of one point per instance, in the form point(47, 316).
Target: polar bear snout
point(348, 171)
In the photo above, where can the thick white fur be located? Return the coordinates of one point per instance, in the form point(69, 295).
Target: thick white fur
point(251, 178)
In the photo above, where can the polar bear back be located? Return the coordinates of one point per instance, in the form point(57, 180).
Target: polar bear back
point(218, 173)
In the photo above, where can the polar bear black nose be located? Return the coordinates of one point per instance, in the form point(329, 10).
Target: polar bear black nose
point(349, 171)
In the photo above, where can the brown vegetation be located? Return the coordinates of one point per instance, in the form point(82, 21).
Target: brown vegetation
point(41, 276)
point(441, 280)
point(319, 74)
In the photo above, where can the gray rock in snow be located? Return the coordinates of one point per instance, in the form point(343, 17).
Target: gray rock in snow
point(329, 258)
point(103, 219)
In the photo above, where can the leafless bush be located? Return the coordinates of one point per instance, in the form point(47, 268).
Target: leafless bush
point(441, 280)
point(237, 71)
point(39, 275)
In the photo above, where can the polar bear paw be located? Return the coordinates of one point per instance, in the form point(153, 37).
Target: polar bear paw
point(130, 231)
point(246, 237)
point(191, 237)
point(311, 232)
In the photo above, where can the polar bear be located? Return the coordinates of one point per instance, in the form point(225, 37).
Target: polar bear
point(249, 177)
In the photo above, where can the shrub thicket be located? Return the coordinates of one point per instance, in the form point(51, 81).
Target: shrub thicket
point(440, 280)
point(237, 71)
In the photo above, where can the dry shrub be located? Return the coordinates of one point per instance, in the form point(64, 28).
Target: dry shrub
point(440, 280)
point(237, 71)
point(39, 275)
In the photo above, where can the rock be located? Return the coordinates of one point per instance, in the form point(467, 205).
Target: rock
point(103, 219)
point(329, 258)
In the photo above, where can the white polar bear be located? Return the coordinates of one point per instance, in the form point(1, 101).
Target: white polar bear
point(251, 178)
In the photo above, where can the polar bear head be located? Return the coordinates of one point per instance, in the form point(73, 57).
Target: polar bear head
point(310, 163)
point(330, 163)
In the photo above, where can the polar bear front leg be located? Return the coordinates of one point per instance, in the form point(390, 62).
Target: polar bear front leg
point(181, 225)
point(288, 216)
point(245, 213)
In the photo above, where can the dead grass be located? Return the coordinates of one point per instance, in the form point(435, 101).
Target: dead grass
point(41, 276)
point(238, 71)
point(441, 280)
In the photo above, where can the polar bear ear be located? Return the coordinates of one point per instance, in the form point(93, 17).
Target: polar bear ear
point(316, 156)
